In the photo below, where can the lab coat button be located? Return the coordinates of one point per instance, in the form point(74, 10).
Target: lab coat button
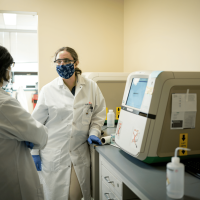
point(71, 136)
point(74, 123)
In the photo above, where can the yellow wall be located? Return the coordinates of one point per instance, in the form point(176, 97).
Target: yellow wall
point(116, 35)
point(161, 35)
point(94, 28)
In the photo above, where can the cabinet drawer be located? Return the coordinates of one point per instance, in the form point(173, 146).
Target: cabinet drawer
point(107, 194)
point(111, 181)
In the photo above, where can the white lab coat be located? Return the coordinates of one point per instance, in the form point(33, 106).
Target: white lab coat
point(68, 130)
point(18, 175)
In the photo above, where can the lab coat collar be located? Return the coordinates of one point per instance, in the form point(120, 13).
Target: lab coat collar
point(1, 90)
point(60, 81)
point(79, 84)
point(80, 80)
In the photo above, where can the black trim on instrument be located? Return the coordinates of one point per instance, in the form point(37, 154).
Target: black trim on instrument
point(136, 112)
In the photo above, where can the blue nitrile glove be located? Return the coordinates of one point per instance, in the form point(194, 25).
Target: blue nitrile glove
point(29, 144)
point(94, 139)
point(37, 161)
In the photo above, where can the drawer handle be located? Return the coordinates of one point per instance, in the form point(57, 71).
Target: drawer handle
point(106, 178)
point(105, 194)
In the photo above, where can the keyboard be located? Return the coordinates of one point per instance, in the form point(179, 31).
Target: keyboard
point(192, 166)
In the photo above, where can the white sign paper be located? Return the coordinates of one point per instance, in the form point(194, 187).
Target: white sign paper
point(184, 109)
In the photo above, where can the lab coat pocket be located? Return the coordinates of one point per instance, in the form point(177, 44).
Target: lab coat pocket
point(50, 159)
point(85, 154)
point(86, 115)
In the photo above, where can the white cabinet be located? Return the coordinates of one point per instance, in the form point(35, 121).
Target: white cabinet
point(111, 181)
point(111, 186)
point(107, 194)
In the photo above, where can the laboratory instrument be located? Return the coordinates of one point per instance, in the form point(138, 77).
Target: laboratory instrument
point(158, 113)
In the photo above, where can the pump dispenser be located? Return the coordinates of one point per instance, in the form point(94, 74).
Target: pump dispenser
point(175, 176)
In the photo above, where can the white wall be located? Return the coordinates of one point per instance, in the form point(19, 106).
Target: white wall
point(94, 28)
point(161, 35)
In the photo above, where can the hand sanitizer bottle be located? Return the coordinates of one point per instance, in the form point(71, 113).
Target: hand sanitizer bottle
point(175, 176)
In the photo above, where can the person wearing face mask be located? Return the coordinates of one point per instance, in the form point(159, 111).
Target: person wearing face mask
point(18, 132)
point(73, 109)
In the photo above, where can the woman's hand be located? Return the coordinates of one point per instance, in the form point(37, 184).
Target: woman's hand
point(38, 162)
point(94, 140)
point(29, 144)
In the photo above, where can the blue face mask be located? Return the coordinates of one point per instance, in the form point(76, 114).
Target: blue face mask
point(65, 71)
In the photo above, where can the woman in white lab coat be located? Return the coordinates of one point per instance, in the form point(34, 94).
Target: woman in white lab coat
point(18, 177)
point(73, 109)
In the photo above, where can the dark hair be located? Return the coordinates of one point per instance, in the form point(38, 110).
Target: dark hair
point(74, 56)
point(5, 61)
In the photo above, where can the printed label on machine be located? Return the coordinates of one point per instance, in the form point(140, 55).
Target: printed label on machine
point(184, 109)
point(183, 142)
point(118, 130)
point(148, 95)
point(135, 137)
point(150, 86)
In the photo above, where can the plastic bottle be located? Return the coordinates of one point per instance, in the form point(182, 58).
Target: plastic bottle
point(110, 119)
point(175, 176)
